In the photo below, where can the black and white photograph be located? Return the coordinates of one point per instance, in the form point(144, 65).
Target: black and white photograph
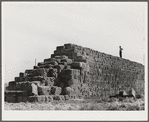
point(74, 60)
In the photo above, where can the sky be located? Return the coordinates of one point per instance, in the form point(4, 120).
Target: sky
point(33, 30)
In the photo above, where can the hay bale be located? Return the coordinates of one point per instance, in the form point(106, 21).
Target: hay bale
point(78, 65)
point(29, 78)
point(62, 97)
point(67, 72)
point(59, 67)
point(57, 97)
point(60, 52)
point(22, 98)
point(19, 79)
point(35, 67)
point(53, 63)
point(48, 98)
point(37, 78)
point(61, 57)
point(58, 82)
point(25, 99)
point(76, 74)
point(27, 86)
point(81, 59)
point(39, 72)
point(68, 61)
point(24, 86)
point(15, 96)
point(68, 46)
point(40, 63)
point(56, 90)
point(19, 99)
point(43, 83)
point(18, 85)
point(38, 83)
point(44, 90)
point(10, 98)
point(69, 77)
point(39, 99)
point(67, 91)
point(73, 96)
point(46, 66)
point(32, 99)
point(60, 47)
point(68, 81)
point(58, 61)
point(52, 73)
point(67, 66)
point(49, 60)
point(62, 63)
point(29, 71)
point(21, 74)
point(31, 88)
point(66, 97)
point(34, 89)
point(49, 81)
point(12, 85)
point(52, 55)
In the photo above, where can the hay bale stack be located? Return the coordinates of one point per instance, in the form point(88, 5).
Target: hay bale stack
point(16, 96)
point(27, 86)
point(87, 72)
point(69, 76)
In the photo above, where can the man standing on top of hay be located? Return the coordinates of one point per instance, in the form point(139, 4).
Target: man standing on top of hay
point(120, 52)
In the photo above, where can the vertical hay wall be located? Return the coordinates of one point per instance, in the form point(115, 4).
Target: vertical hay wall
point(107, 74)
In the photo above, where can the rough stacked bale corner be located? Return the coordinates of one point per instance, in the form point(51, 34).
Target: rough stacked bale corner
point(76, 72)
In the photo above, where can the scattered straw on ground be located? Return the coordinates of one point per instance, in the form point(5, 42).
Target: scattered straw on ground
point(98, 104)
